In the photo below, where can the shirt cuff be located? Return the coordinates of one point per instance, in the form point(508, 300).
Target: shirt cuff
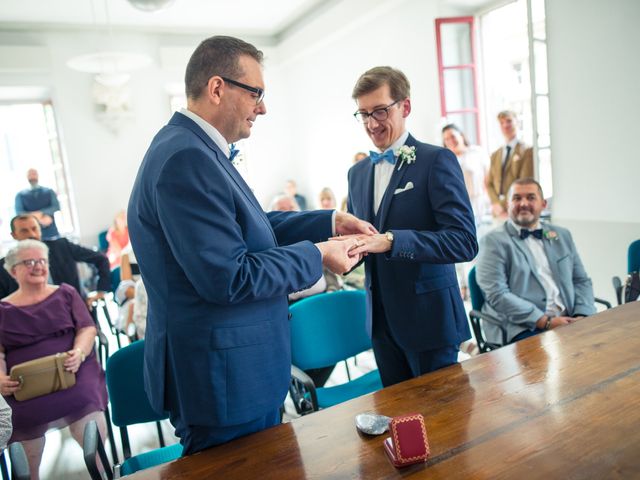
point(333, 223)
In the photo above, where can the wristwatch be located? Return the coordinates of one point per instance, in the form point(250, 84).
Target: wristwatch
point(547, 325)
point(389, 235)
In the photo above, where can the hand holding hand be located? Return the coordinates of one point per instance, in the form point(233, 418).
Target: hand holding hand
point(8, 386)
point(336, 255)
point(74, 360)
point(347, 224)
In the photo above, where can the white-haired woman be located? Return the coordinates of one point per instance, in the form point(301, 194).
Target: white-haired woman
point(38, 320)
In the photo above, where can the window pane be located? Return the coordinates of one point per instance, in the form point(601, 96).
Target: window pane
point(538, 19)
point(458, 89)
point(467, 123)
point(544, 171)
point(542, 111)
point(540, 57)
point(456, 43)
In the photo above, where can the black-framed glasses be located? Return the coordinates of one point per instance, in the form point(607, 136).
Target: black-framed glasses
point(32, 262)
point(379, 114)
point(258, 92)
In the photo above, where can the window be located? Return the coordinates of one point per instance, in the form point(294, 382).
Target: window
point(457, 72)
point(29, 139)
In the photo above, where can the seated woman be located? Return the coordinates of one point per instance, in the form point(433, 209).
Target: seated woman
point(38, 320)
point(118, 238)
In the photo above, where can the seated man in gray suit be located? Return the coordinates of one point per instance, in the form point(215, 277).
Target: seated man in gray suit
point(531, 273)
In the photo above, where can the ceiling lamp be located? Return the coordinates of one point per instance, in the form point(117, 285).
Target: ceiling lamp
point(110, 68)
point(150, 5)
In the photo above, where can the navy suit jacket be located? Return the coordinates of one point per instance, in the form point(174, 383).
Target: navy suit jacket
point(217, 348)
point(63, 256)
point(427, 208)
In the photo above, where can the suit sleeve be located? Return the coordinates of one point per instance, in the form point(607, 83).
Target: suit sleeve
point(97, 259)
point(492, 276)
point(454, 239)
point(584, 303)
point(294, 227)
point(54, 207)
point(199, 218)
point(492, 187)
point(19, 205)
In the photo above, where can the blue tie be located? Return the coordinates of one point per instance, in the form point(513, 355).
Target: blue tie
point(232, 152)
point(524, 233)
point(378, 157)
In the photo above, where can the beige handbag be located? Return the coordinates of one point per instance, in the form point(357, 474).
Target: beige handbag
point(42, 376)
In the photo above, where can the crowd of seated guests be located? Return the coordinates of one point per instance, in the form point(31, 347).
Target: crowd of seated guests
point(36, 320)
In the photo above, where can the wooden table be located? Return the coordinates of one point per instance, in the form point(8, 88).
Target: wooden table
point(564, 404)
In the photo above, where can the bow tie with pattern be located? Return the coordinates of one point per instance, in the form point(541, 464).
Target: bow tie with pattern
point(232, 152)
point(378, 157)
point(524, 233)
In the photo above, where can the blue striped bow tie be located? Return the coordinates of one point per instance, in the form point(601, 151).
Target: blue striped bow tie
point(378, 157)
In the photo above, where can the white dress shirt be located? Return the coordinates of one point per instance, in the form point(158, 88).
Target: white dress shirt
point(383, 172)
point(555, 306)
point(210, 130)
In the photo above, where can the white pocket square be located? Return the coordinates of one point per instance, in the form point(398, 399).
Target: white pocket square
point(407, 187)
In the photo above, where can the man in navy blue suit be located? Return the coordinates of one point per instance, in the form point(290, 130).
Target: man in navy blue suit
point(414, 193)
point(216, 268)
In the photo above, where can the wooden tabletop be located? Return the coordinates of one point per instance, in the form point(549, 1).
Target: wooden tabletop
point(564, 404)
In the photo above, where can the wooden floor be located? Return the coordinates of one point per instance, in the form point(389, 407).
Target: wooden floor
point(564, 404)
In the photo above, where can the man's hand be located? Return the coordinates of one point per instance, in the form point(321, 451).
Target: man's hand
point(347, 224)
point(94, 298)
point(45, 220)
point(365, 244)
point(560, 321)
point(336, 255)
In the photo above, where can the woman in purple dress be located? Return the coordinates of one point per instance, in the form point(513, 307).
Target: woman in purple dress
point(38, 320)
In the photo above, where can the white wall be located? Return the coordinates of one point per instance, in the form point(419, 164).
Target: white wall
point(594, 71)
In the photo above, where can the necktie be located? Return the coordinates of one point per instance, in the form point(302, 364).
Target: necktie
point(232, 152)
point(378, 157)
point(524, 233)
point(504, 166)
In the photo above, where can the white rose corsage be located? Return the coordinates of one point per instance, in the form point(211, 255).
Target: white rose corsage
point(406, 154)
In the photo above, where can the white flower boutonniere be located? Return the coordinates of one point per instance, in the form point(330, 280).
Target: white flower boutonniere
point(406, 154)
point(550, 235)
point(516, 157)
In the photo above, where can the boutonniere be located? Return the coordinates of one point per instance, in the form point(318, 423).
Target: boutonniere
point(550, 234)
point(516, 157)
point(406, 154)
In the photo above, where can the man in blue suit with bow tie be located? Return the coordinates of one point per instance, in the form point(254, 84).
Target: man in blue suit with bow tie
point(414, 193)
point(216, 268)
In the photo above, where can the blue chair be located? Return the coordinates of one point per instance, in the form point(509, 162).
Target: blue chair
point(326, 329)
point(633, 265)
point(103, 244)
point(129, 406)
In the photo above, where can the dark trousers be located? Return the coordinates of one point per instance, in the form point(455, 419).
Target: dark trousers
point(397, 364)
point(526, 334)
point(195, 438)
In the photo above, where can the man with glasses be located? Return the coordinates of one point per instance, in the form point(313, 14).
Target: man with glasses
point(414, 194)
point(63, 257)
point(216, 268)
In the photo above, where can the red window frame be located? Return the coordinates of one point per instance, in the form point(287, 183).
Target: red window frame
point(469, 66)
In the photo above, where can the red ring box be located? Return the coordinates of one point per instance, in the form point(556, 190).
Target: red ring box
point(408, 443)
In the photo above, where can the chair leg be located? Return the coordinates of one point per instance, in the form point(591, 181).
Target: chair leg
point(160, 434)
point(346, 365)
point(3, 467)
point(112, 438)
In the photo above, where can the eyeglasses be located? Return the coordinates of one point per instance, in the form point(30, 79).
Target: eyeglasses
point(32, 262)
point(258, 92)
point(379, 114)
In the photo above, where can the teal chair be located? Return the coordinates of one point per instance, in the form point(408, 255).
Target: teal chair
point(633, 265)
point(129, 406)
point(326, 329)
point(103, 244)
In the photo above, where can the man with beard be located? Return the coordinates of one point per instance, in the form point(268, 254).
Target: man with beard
point(530, 273)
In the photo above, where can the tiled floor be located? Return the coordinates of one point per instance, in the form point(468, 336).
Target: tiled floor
point(63, 459)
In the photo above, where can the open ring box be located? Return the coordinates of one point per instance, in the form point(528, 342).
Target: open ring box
point(408, 442)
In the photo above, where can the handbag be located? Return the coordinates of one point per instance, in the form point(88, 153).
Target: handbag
point(42, 376)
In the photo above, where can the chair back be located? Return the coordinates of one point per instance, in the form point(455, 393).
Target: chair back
point(125, 383)
point(328, 328)
point(633, 257)
point(477, 297)
point(103, 244)
point(115, 279)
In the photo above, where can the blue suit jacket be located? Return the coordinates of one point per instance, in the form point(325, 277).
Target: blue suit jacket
point(433, 228)
point(217, 341)
point(508, 276)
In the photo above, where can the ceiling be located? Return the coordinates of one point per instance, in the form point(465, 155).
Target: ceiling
point(268, 18)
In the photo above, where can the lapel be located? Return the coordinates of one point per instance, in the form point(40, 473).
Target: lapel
point(520, 245)
point(551, 248)
point(221, 158)
point(395, 180)
point(368, 179)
